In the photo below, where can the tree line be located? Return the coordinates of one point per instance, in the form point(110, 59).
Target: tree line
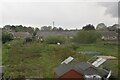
point(21, 28)
point(99, 27)
point(87, 32)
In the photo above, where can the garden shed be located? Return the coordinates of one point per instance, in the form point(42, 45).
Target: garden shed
point(82, 71)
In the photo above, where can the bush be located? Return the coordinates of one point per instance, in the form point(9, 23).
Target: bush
point(55, 40)
point(6, 36)
point(73, 46)
point(28, 40)
point(86, 37)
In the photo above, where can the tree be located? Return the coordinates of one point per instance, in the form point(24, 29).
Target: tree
point(114, 27)
point(55, 29)
point(13, 28)
point(55, 40)
point(35, 32)
point(88, 27)
point(28, 39)
point(101, 27)
point(7, 27)
point(6, 37)
point(60, 29)
point(37, 29)
point(46, 28)
point(66, 30)
point(86, 37)
point(49, 27)
point(18, 28)
point(30, 29)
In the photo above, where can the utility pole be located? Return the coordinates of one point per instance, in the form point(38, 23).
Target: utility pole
point(53, 24)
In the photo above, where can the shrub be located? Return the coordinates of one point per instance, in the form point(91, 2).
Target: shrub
point(28, 40)
point(55, 40)
point(86, 37)
point(6, 36)
point(73, 46)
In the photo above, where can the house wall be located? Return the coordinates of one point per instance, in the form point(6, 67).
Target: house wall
point(90, 71)
point(109, 38)
point(21, 35)
point(109, 35)
point(73, 74)
point(46, 34)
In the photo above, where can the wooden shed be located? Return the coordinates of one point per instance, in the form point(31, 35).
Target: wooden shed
point(81, 71)
point(66, 71)
point(72, 74)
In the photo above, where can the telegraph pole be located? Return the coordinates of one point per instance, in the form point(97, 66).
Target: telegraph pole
point(53, 24)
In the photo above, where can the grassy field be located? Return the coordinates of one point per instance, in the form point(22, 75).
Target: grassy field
point(37, 59)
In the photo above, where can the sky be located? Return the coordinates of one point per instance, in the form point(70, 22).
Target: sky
point(65, 14)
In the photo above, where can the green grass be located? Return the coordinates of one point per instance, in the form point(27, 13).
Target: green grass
point(109, 49)
point(39, 59)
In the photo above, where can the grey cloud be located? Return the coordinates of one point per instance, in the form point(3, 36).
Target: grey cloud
point(111, 8)
point(67, 15)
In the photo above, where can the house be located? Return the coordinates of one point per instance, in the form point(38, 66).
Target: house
point(66, 34)
point(93, 69)
point(67, 71)
point(83, 71)
point(88, 70)
point(21, 35)
point(109, 36)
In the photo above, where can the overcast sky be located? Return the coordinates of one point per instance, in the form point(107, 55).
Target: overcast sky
point(69, 15)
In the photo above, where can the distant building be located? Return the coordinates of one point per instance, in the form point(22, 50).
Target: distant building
point(21, 35)
point(66, 34)
point(109, 36)
point(83, 71)
point(66, 71)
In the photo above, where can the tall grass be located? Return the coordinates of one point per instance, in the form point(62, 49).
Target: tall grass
point(37, 59)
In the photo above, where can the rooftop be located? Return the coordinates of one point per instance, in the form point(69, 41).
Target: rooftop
point(83, 68)
point(109, 33)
